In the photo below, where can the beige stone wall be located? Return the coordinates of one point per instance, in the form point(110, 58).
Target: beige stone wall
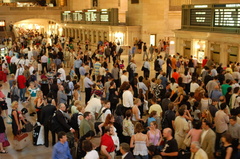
point(205, 1)
point(155, 18)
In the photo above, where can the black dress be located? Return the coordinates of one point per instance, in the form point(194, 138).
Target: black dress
point(14, 123)
point(113, 99)
point(224, 152)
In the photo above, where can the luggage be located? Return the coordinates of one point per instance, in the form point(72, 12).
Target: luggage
point(38, 134)
point(21, 141)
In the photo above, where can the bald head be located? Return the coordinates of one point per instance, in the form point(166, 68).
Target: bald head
point(195, 146)
point(167, 133)
point(62, 106)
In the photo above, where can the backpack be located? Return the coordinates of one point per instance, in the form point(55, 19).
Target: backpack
point(74, 121)
point(107, 51)
point(31, 78)
point(102, 113)
point(120, 50)
point(66, 87)
point(156, 65)
point(129, 69)
point(165, 121)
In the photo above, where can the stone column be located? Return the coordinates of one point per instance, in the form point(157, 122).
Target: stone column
point(92, 37)
point(238, 56)
point(207, 48)
point(84, 33)
point(223, 53)
point(97, 36)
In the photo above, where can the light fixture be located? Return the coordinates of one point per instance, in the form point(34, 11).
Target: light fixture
point(212, 48)
point(198, 46)
point(229, 50)
point(172, 42)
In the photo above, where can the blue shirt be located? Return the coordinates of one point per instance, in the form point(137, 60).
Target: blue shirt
point(82, 71)
point(150, 120)
point(61, 151)
point(87, 82)
point(77, 63)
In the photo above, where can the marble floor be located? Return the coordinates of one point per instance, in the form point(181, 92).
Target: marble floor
point(41, 152)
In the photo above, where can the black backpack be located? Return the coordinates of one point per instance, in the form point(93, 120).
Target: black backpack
point(120, 50)
point(66, 87)
point(129, 69)
point(164, 120)
point(74, 121)
point(156, 65)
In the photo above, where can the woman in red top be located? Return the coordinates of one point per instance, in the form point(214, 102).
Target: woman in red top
point(204, 61)
point(3, 103)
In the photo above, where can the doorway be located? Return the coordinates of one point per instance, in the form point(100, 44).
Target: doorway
point(153, 39)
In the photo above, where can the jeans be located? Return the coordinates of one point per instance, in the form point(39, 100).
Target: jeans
point(141, 157)
point(22, 94)
point(145, 54)
point(169, 70)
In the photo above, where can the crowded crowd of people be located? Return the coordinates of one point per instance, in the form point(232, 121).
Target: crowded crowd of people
point(72, 90)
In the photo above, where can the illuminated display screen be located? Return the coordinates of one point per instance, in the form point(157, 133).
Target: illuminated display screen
point(2, 23)
point(86, 15)
point(200, 17)
point(227, 17)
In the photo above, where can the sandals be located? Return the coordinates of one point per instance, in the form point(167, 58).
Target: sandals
point(3, 151)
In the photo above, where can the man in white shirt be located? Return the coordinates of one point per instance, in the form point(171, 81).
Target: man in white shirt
point(63, 74)
point(31, 68)
point(44, 60)
point(105, 111)
point(197, 152)
point(127, 98)
point(94, 106)
point(124, 77)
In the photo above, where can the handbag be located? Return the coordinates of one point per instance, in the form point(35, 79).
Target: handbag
point(28, 127)
point(9, 95)
point(6, 142)
point(187, 140)
point(20, 136)
point(143, 68)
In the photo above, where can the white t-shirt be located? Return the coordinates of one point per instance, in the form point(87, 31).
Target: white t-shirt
point(104, 115)
point(124, 78)
point(193, 87)
point(92, 155)
point(127, 99)
point(94, 105)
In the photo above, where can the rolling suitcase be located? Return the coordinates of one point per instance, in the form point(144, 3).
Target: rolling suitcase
point(38, 134)
point(21, 141)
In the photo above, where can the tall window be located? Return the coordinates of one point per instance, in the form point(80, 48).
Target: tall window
point(134, 1)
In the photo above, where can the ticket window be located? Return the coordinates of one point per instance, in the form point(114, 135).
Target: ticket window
point(187, 49)
point(215, 53)
point(232, 54)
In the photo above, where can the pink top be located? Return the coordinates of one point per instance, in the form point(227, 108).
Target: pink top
point(2, 95)
point(154, 138)
point(196, 134)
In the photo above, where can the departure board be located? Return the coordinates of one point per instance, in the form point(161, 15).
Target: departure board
point(200, 17)
point(227, 17)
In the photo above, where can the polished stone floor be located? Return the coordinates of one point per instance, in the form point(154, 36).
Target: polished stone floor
point(41, 152)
